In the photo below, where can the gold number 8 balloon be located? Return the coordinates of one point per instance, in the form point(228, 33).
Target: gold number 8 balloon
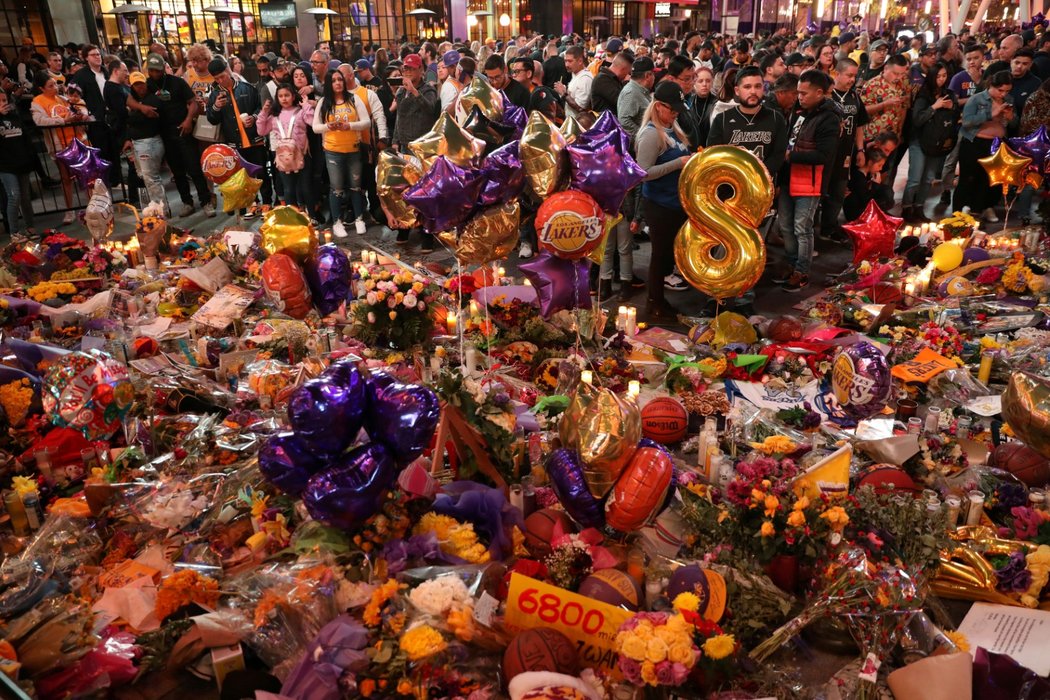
point(731, 223)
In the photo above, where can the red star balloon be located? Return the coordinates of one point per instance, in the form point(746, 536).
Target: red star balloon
point(874, 234)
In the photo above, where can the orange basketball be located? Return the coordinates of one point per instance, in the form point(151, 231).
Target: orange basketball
point(219, 163)
point(887, 477)
point(784, 329)
point(569, 224)
point(665, 420)
point(614, 587)
point(539, 530)
point(540, 649)
point(1023, 462)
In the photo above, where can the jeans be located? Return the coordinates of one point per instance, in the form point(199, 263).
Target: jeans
point(951, 162)
point(619, 241)
point(149, 154)
point(184, 158)
point(297, 188)
point(831, 205)
point(16, 187)
point(922, 169)
point(345, 169)
point(796, 228)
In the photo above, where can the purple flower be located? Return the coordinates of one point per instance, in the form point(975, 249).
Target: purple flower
point(632, 670)
point(665, 673)
point(1014, 577)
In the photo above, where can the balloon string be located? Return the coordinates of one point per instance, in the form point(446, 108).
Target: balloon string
point(459, 314)
point(576, 306)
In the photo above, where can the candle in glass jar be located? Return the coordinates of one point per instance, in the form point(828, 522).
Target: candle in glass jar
point(984, 373)
point(634, 388)
point(327, 236)
point(632, 320)
point(450, 322)
point(364, 256)
point(587, 376)
point(621, 319)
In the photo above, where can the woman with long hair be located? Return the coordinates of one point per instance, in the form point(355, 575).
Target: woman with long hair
point(662, 151)
point(381, 61)
point(934, 117)
point(826, 59)
point(288, 123)
point(726, 95)
point(51, 109)
point(303, 83)
point(987, 116)
point(342, 119)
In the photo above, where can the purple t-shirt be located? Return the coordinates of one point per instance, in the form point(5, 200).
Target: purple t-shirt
point(963, 85)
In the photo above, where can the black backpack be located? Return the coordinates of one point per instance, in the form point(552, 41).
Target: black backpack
point(939, 134)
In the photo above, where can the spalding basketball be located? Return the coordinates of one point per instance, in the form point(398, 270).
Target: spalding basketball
point(539, 530)
point(1023, 462)
point(614, 587)
point(887, 477)
point(540, 649)
point(665, 420)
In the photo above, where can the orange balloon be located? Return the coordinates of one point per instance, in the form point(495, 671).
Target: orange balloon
point(570, 224)
point(285, 284)
point(220, 162)
point(640, 491)
point(1005, 167)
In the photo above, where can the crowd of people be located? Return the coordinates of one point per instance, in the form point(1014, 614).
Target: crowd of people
point(831, 116)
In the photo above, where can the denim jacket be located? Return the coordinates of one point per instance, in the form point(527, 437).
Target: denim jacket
point(977, 111)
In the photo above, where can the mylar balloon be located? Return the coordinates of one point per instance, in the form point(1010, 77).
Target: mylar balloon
point(860, 377)
point(220, 162)
point(606, 124)
point(1005, 168)
point(569, 225)
point(641, 491)
point(542, 152)
point(91, 168)
point(493, 133)
point(395, 174)
point(974, 255)
point(287, 463)
point(480, 93)
point(559, 283)
point(571, 130)
point(1026, 409)
point(446, 196)
point(604, 169)
point(352, 491)
point(504, 176)
point(874, 234)
point(566, 474)
point(329, 277)
point(403, 417)
point(490, 235)
point(89, 392)
point(286, 286)
point(98, 216)
point(731, 223)
point(1035, 145)
point(605, 430)
point(447, 138)
point(287, 230)
point(239, 191)
point(75, 152)
point(326, 412)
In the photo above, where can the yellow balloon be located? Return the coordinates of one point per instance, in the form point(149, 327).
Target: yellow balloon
point(482, 94)
point(395, 173)
point(1005, 167)
point(449, 139)
point(1026, 409)
point(288, 230)
point(238, 192)
point(570, 129)
point(731, 224)
point(491, 235)
point(605, 430)
point(730, 327)
point(947, 256)
point(542, 152)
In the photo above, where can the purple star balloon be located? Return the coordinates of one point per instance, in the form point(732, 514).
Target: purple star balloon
point(504, 176)
point(446, 196)
point(329, 277)
point(493, 133)
point(252, 168)
point(73, 153)
point(92, 167)
point(605, 124)
point(604, 169)
point(560, 284)
point(1035, 145)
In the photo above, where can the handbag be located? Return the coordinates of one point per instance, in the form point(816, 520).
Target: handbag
point(204, 130)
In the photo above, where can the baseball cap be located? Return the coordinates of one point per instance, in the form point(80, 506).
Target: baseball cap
point(671, 95)
point(450, 58)
point(880, 44)
point(155, 62)
point(795, 59)
point(136, 77)
point(413, 60)
point(927, 50)
point(642, 66)
point(1028, 36)
point(334, 64)
point(613, 45)
point(846, 36)
point(362, 64)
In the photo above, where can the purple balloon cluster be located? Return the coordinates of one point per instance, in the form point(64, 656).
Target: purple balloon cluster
point(84, 162)
point(339, 487)
point(328, 275)
point(601, 163)
point(1035, 145)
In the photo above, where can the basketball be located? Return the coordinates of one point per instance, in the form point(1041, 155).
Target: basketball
point(783, 329)
point(706, 584)
point(885, 293)
point(887, 477)
point(614, 587)
point(540, 649)
point(665, 420)
point(539, 530)
point(1023, 462)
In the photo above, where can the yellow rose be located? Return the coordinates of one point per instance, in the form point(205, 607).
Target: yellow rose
point(655, 650)
point(771, 504)
point(767, 529)
point(678, 623)
point(649, 673)
point(680, 654)
point(633, 648)
point(664, 634)
point(796, 518)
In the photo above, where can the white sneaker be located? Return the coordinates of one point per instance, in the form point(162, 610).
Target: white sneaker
point(525, 252)
point(360, 225)
point(966, 210)
point(674, 283)
point(69, 218)
point(989, 216)
point(338, 229)
point(209, 210)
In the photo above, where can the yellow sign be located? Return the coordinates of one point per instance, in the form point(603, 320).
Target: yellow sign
point(591, 624)
point(830, 475)
point(924, 367)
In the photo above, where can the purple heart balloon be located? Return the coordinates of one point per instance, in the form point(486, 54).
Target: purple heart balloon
point(566, 474)
point(972, 255)
point(860, 377)
point(328, 275)
point(402, 417)
point(446, 195)
point(327, 414)
point(287, 463)
point(92, 167)
point(604, 169)
point(352, 491)
point(560, 284)
point(344, 372)
point(504, 176)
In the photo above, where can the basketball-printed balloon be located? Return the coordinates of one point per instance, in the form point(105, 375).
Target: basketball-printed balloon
point(569, 224)
point(540, 649)
point(641, 491)
point(220, 162)
point(614, 587)
point(665, 420)
point(1023, 462)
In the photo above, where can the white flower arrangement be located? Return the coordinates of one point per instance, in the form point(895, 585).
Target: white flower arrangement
point(439, 595)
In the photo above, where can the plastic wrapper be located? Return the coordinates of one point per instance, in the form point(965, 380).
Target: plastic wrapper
point(921, 638)
point(339, 647)
point(956, 386)
point(55, 634)
point(273, 379)
point(109, 665)
point(61, 545)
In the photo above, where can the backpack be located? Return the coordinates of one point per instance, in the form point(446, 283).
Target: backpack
point(938, 136)
point(289, 156)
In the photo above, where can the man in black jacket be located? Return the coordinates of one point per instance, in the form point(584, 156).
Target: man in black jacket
point(91, 79)
point(851, 145)
point(605, 90)
point(812, 149)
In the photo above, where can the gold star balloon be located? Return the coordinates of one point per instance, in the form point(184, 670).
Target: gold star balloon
point(491, 235)
point(395, 173)
point(1006, 168)
point(449, 139)
point(543, 155)
point(482, 94)
point(570, 129)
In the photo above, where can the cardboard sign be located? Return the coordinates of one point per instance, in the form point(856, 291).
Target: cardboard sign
point(591, 624)
point(926, 365)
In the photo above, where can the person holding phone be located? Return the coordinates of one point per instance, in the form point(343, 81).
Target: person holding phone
point(935, 117)
point(987, 116)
